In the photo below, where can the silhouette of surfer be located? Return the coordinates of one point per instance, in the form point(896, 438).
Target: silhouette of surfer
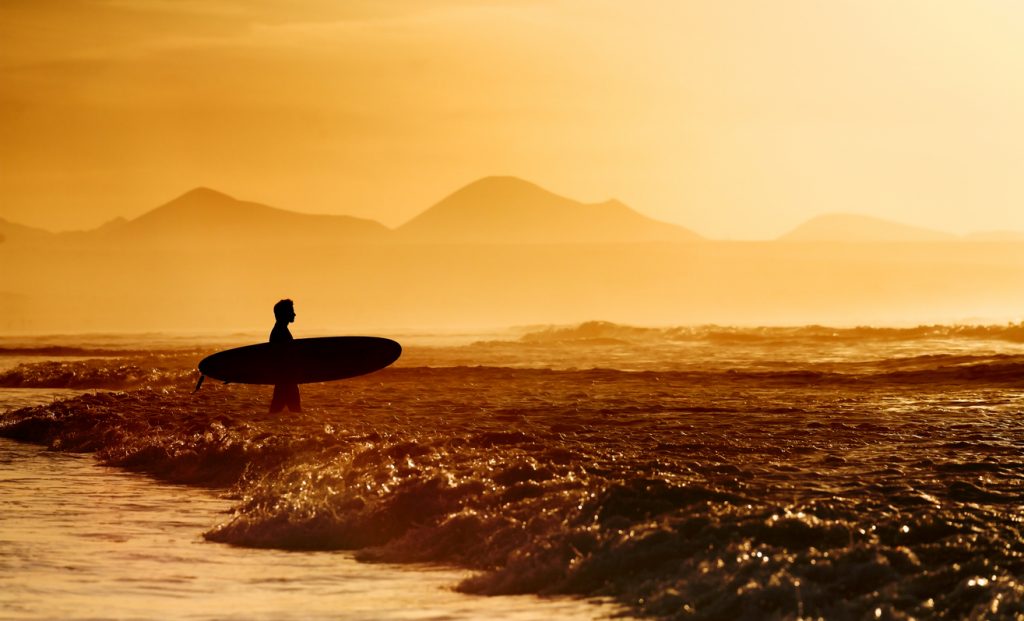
point(285, 395)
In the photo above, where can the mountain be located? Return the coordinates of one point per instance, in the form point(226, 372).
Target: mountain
point(12, 233)
point(111, 225)
point(492, 210)
point(856, 228)
point(996, 236)
point(209, 217)
point(508, 210)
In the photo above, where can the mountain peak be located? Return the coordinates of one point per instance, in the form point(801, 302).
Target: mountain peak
point(504, 209)
point(203, 193)
point(501, 181)
point(502, 189)
point(206, 215)
point(199, 203)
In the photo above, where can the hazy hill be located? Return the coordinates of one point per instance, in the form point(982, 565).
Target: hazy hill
point(12, 233)
point(996, 236)
point(508, 210)
point(856, 228)
point(502, 210)
point(209, 217)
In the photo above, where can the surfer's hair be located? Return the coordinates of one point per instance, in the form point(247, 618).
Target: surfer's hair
point(282, 308)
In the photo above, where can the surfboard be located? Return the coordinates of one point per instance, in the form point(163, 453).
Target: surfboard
point(301, 361)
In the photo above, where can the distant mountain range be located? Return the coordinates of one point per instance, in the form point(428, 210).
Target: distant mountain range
point(204, 216)
point(492, 210)
point(503, 210)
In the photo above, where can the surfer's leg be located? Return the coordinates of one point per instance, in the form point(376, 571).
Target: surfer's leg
point(294, 404)
point(278, 401)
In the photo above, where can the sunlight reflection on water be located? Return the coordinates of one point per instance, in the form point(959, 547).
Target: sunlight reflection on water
point(83, 541)
point(791, 475)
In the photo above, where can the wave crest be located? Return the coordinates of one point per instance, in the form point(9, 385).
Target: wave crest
point(119, 374)
point(604, 332)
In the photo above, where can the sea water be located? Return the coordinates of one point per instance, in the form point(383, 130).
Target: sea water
point(79, 540)
point(684, 473)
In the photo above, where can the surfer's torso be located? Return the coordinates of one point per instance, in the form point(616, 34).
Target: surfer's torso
point(280, 333)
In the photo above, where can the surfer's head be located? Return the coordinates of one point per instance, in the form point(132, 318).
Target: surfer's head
point(284, 311)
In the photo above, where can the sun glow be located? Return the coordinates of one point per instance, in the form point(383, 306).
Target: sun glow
point(736, 119)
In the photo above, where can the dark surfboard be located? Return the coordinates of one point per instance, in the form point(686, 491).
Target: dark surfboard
point(302, 361)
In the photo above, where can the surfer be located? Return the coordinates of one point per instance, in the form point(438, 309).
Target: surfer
point(285, 395)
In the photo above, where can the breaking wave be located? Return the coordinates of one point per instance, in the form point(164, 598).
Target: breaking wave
point(113, 374)
point(603, 332)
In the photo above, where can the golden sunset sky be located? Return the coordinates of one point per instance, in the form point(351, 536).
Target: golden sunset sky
point(738, 119)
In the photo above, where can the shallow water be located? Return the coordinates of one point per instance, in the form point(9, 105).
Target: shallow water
point(15, 398)
point(83, 541)
point(710, 473)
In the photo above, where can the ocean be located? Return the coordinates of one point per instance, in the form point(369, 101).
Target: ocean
point(591, 470)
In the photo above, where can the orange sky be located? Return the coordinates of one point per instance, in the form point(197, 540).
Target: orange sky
point(737, 119)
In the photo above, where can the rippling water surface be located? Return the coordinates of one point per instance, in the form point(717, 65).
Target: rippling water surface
point(710, 473)
point(81, 541)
